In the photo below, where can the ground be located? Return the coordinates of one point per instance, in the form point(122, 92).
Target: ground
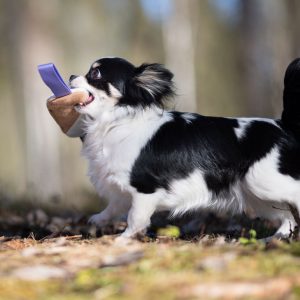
point(61, 260)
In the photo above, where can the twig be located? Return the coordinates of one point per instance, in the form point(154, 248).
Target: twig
point(51, 236)
point(296, 216)
point(284, 209)
point(31, 236)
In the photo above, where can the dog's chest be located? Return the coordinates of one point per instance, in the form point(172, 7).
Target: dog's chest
point(111, 155)
point(108, 164)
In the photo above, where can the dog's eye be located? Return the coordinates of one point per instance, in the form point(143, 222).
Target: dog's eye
point(95, 74)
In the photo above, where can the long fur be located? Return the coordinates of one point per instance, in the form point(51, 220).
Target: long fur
point(143, 158)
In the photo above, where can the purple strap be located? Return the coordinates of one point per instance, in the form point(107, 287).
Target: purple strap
point(53, 80)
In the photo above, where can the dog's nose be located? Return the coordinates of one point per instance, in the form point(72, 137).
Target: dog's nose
point(72, 77)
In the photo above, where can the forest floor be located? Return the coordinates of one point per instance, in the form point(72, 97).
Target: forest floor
point(43, 257)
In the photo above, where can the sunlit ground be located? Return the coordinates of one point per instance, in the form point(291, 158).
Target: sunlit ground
point(57, 256)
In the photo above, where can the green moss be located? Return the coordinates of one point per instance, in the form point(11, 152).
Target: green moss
point(169, 231)
point(296, 291)
point(295, 248)
point(251, 240)
point(92, 279)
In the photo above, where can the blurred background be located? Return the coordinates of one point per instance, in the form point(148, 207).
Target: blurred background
point(228, 57)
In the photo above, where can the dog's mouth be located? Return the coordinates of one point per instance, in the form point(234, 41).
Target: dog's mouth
point(89, 100)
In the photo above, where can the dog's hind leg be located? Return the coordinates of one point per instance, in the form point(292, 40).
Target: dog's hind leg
point(273, 191)
point(274, 211)
point(286, 228)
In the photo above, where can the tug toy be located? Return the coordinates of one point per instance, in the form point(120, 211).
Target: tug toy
point(61, 104)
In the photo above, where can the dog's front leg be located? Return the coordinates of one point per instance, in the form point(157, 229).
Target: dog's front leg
point(142, 208)
point(115, 208)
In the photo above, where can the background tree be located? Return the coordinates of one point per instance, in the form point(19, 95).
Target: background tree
point(228, 58)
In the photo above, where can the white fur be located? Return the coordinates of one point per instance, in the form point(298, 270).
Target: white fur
point(265, 182)
point(241, 130)
point(245, 122)
point(188, 117)
point(191, 193)
point(96, 65)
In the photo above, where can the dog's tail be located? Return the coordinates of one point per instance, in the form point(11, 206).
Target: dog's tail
point(291, 98)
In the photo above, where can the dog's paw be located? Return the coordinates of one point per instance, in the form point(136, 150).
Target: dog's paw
point(122, 240)
point(98, 220)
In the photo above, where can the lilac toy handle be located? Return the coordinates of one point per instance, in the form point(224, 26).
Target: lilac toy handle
point(53, 80)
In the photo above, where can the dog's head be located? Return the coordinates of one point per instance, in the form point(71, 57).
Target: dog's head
point(114, 82)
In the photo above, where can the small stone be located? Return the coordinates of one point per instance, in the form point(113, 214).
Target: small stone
point(39, 272)
point(123, 259)
point(216, 263)
point(30, 251)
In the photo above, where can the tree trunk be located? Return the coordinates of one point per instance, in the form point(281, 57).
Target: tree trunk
point(42, 137)
point(180, 52)
point(264, 54)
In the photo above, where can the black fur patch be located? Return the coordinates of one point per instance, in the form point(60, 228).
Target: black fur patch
point(260, 137)
point(291, 99)
point(205, 143)
point(289, 160)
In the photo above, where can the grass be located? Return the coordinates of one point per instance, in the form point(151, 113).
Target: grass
point(44, 256)
point(166, 268)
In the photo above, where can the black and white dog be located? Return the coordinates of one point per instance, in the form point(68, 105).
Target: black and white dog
point(143, 158)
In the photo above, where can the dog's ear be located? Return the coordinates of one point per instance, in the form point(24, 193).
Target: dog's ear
point(155, 79)
point(151, 84)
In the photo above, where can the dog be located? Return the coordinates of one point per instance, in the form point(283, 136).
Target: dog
point(145, 158)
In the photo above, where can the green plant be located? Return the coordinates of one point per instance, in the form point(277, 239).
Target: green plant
point(249, 241)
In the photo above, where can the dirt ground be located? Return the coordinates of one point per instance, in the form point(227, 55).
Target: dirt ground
point(59, 257)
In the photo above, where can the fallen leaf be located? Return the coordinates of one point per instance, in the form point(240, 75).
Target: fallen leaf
point(271, 289)
point(120, 260)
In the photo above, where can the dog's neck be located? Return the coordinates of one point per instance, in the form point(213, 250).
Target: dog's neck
point(124, 119)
